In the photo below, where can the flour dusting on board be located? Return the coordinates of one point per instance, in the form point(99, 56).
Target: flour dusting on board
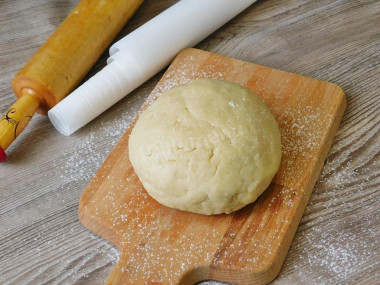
point(187, 72)
point(159, 242)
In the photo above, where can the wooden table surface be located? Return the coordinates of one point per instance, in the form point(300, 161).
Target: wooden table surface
point(337, 242)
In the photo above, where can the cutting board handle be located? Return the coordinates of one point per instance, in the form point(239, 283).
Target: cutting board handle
point(119, 275)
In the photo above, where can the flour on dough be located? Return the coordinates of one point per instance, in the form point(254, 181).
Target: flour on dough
point(207, 147)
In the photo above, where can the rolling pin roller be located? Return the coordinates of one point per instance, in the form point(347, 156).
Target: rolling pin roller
point(62, 62)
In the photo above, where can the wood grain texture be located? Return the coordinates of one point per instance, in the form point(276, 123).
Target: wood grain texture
point(41, 238)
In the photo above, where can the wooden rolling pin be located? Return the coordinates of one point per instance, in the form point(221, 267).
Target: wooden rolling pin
point(62, 62)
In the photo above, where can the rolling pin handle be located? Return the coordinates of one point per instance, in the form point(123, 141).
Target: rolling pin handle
point(16, 118)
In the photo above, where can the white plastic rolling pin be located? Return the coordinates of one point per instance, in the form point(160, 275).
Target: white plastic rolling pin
point(140, 55)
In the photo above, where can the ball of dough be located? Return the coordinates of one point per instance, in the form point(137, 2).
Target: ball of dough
point(207, 147)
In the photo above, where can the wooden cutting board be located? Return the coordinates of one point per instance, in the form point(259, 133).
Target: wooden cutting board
point(160, 245)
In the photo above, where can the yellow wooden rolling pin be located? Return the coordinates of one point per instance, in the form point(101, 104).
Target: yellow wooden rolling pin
point(62, 62)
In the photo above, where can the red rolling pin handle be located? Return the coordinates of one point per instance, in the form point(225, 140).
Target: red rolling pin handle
point(3, 155)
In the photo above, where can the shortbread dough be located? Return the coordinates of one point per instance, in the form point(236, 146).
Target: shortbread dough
point(207, 147)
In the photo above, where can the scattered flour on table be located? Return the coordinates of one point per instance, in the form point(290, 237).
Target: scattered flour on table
point(87, 153)
point(330, 252)
point(73, 169)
